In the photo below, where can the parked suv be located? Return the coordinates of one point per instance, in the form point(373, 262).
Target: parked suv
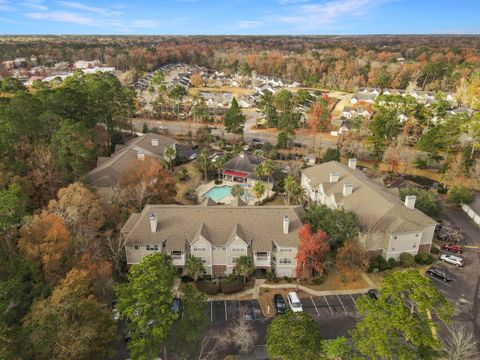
point(294, 302)
point(440, 273)
point(452, 259)
point(452, 248)
point(280, 304)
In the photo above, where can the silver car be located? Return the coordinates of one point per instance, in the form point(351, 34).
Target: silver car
point(452, 259)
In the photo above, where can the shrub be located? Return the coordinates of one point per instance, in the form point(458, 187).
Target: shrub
point(331, 155)
point(421, 163)
point(318, 281)
point(424, 259)
point(459, 195)
point(289, 280)
point(391, 263)
point(270, 276)
point(186, 279)
point(285, 278)
point(276, 279)
point(231, 286)
point(379, 263)
point(434, 250)
point(211, 288)
point(427, 201)
point(407, 260)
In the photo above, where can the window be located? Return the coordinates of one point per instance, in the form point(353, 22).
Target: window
point(289, 250)
point(224, 248)
point(136, 247)
point(238, 248)
point(285, 260)
point(203, 260)
point(395, 237)
point(414, 246)
point(234, 260)
point(176, 255)
point(152, 247)
point(199, 248)
point(262, 256)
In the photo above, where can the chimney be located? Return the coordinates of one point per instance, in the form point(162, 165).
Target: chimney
point(140, 155)
point(410, 201)
point(334, 176)
point(285, 224)
point(352, 163)
point(153, 222)
point(154, 142)
point(347, 189)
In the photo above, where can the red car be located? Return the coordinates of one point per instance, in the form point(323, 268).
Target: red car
point(452, 248)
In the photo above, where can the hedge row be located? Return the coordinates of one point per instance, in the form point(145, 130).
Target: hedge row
point(224, 286)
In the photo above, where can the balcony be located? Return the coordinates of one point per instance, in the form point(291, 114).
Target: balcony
point(261, 259)
point(178, 258)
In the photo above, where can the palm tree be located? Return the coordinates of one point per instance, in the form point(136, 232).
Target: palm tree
point(194, 267)
point(219, 162)
point(298, 195)
point(237, 191)
point(259, 190)
point(170, 154)
point(203, 161)
point(269, 168)
point(244, 266)
point(290, 186)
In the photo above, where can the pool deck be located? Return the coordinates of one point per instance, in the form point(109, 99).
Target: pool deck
point(204, 188)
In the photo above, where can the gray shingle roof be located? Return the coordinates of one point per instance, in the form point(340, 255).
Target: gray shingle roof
point(372, 202)
point(178, 224)
point(110, 169)
point(243, 162)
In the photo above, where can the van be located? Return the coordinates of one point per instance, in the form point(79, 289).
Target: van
point(294, 302)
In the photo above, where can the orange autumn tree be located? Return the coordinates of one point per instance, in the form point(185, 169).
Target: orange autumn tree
point(351, 258)
point(311, 252)
point(46, 239)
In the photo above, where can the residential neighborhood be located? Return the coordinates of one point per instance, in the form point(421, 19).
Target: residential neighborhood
point(245, 196)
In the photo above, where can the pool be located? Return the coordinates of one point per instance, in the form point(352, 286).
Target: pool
point(217, 193)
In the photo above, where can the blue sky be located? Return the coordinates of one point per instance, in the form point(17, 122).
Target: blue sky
point(239, 17)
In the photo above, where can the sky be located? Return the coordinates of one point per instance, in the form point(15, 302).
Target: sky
point(243, 17)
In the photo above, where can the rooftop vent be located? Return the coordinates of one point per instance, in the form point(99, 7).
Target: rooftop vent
point(334, 177)
point(347, 189)
point(153, 222)
point(140, 155)
point(285, 224)
point(352, 163)
point(154, 142)
point(410, 201)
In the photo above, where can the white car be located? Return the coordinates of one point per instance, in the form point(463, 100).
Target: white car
point(162, 127)
point(246, 148)
point(193, 156)
point(452, 259)
point(294, 302)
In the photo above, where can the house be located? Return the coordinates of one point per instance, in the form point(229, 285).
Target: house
point(389, 226)
point(347, 112)
point(361, 111)
point(218, 235)
point(310, 159)
point(109, 169)
point(241, 168)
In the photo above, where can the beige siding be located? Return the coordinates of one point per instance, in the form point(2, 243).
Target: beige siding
point(134, 256)
point(235, 243)
point(219, 255)
point(408, 243)
point(206, 254)
point(282, 269)
point(427, 234)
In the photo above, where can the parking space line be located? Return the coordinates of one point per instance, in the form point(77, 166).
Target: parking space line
point(341, 303)
point(253, 311)
point(225, 310)
point(328, 305)
point(211, 311)
point(440, 281)
point(353, 300)
point(313, 302)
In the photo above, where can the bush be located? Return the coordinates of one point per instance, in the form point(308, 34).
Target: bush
point(231, 286)
point(186, 279)
point(407, 260)
point(209, 287)
point(276, 279)
point(285, 278)
point(421, 163)
point(427, 201)
point(318, 281)
point(270, 276)
point(434, 250)
point(391, 263)
point(289, 280)
point(424, 259)
point(331, 155)
point(459, 195)
point(379, 263)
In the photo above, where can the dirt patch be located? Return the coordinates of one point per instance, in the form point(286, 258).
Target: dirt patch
point(221, 89)
point(194, 179)
point(336, 280)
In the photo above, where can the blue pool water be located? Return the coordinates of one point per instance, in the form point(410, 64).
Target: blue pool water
point(217, 193)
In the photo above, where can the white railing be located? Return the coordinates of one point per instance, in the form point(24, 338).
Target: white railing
point(261, 260)
point(178, 259)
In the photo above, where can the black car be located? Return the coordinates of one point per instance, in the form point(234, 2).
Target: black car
point(177, 304)
point(280, 304)
point(440, 273)
point(373, 294)
point(256, 140)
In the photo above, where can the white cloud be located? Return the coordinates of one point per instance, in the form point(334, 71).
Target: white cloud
point(64, 16)
point(283, 2)
point(5, 20)
point(248, 24)
point(35, 5)
point(315, 16)
point(82, 7)
point(6, 6)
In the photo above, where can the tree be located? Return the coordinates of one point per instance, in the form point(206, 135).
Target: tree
point(331, 155)
point(234, 119)
point(82, 212)
point(204, 162)
point(196, 80)
point(351, 258)
point(219, 162)
point(283, 139)
point(237, 191)
point(320, 117)
point(398, 325)
point(259, 190)
point(194, 267)
point(146, 181)
point(177, 94)
point(459, 343)
point(427, 201)
point(146, 300)
point(339, 224)
point(244, 266)
point(74, 149)
point(46, 240)
point(266, 168)
point(384, 129)
point(459, 194)
point(293, 336)
point(283, 100)
point(70, 324)
point(311, 252)
point(170, 154)
point(188, 329)
point(242, 332)
point(12, 206)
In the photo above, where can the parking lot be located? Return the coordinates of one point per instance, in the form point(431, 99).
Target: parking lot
point(222, 311)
